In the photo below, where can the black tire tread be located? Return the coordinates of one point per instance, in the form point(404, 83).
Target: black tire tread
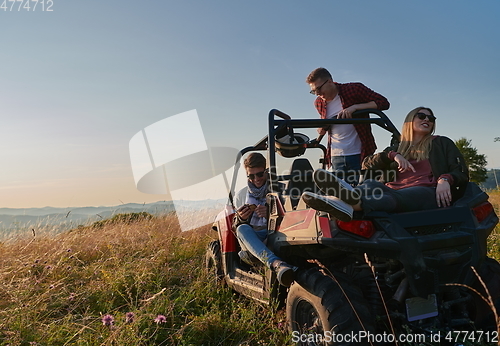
point(490, 274)
point(213, 259)
point(341, 316)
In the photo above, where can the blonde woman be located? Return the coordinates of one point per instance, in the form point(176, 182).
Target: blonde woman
point(430, 173)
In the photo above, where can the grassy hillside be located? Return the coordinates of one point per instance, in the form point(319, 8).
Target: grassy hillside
point(134, 282)
point(145, 274)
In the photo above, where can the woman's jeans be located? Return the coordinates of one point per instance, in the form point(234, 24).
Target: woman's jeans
point(252, 241)
point(376, 196)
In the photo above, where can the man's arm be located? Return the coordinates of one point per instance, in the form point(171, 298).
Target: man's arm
point(347, 112)
point(357, 96)
point(241, 198)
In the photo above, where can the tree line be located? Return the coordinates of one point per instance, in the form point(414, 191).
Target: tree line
point(475, 161)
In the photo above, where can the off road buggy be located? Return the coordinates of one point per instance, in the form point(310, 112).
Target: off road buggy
point(378, 273)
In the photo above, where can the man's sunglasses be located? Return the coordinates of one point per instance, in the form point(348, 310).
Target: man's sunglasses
point(258, 175)
point(422, 116)
point(316, 91)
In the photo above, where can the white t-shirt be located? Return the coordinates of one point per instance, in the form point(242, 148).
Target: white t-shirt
point(344, 138)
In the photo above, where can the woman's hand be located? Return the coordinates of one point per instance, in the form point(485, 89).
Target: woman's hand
point(403, 164)
point(443, 193)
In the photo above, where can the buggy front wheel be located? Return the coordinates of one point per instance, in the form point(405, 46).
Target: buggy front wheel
point(213, 263)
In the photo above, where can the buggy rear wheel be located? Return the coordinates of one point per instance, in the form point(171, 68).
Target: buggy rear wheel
point(490, 274)
point(319, 313)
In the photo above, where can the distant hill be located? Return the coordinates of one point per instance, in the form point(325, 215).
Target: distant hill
point(157, 206)
point(58, 219)
point(492, 182)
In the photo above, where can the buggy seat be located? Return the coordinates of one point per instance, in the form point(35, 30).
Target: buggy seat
point(301, 180)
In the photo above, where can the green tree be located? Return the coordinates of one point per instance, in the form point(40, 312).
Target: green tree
point(476, 162)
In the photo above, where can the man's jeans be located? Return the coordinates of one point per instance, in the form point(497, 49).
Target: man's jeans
point(347, 167)
point(252, 241)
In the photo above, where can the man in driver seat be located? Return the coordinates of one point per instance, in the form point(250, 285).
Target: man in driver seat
point(251, 218)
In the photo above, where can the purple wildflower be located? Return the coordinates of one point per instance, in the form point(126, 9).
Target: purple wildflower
point(160, 319)
point(108, 320)
point(129, 317)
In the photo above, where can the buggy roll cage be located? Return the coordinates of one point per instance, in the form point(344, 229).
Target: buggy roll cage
point(286, 123)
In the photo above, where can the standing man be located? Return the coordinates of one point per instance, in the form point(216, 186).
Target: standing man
point(348, 144)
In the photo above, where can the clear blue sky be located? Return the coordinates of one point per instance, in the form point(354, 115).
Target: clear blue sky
point(78, 82)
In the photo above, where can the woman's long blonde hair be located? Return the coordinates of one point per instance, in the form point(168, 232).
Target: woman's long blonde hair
point(415, 151)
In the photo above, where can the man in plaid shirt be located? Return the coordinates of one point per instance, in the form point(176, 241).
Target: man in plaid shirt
point(348, 144)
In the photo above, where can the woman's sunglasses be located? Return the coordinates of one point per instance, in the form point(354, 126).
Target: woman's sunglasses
point(258, 175)
point(422, 116)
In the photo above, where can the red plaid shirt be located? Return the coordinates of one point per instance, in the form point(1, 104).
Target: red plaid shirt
point(352, 94)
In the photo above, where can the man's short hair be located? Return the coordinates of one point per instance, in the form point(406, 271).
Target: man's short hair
point(319, 73)
point(255, 160)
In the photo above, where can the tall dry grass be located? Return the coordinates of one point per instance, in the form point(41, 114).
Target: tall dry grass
point(144, 277)
point(494, 238)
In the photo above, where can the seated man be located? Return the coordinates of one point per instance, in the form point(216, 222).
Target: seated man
point(430, 173)
point(251, 217)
